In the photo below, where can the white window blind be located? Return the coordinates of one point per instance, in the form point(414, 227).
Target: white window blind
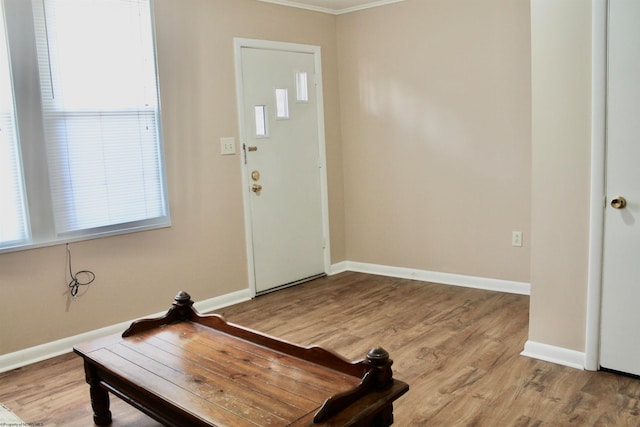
point(100, 112)
point(80, 135)
point(13, 227)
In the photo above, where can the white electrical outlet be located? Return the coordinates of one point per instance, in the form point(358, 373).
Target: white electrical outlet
point(516, 238)
point(227, 146)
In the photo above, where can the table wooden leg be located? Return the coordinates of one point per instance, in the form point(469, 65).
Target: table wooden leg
point(99, 397)
point(384, 417)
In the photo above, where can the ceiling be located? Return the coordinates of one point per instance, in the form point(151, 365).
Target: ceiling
point(335, 7)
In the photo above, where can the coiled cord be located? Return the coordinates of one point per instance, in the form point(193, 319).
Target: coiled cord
point(75, 283)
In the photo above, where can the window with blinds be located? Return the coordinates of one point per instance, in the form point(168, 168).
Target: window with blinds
point(100, 117)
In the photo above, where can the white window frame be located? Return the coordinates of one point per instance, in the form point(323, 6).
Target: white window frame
point(33, 149)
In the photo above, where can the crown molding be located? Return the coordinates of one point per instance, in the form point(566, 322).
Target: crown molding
point(299, 5)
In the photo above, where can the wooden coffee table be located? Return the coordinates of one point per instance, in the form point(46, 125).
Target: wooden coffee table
point(187, 369)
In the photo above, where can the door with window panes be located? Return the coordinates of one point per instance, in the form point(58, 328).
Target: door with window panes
point(284, 165)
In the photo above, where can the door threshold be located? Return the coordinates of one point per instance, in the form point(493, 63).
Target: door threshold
point(288, 285)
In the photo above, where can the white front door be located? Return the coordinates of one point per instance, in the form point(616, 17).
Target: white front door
point(284, 163)
point(620, 327)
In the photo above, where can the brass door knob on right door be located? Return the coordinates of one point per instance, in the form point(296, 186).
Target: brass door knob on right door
point(618, 202)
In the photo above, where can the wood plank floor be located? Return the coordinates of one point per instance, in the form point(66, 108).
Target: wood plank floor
point(457, 348)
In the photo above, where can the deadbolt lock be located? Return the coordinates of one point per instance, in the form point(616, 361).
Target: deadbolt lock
point(618, 202)
point(255, 175)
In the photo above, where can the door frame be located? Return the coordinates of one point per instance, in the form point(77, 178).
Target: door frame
point(599, 16)
point(238, 45)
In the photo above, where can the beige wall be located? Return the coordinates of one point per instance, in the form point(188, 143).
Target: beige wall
point(204, 251)
point(436, 114)
point(561, 94)
point(431, 163)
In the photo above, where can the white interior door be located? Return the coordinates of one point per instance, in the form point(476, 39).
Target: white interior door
point(620, 327)
point(284, 166)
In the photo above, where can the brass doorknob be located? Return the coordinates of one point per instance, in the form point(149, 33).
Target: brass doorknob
point(618, 202)
point(256, 187)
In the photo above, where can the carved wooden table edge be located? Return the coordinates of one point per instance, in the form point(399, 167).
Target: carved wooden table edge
point(374, 372)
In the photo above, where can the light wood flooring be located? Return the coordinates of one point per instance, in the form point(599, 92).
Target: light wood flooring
point(457, 348)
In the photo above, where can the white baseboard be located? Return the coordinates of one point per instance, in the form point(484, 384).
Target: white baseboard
point(41, 352)
point(44, 351)
point(553, 354)
point(435, 277)
point(548, 353)
point(225, 300)
point(340, 267)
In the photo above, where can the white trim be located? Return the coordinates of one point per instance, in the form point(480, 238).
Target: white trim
point(598, 156)
point(489, 284)
point(41, 352)
point(248, 231)
point(553, 354)
point(211, 304)
point(48, 350)
point(238, 44)
point(338, 268)
point(331, 11)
